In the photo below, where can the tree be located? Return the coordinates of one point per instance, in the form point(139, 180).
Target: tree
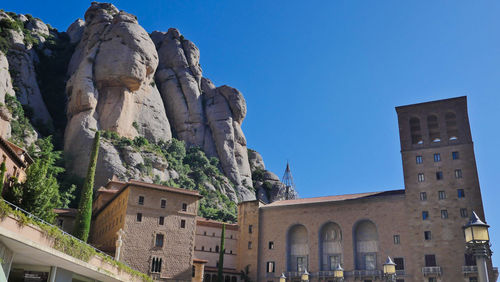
point(84, 215)
point(40, 194)
point(2, 176)
point(222, 250)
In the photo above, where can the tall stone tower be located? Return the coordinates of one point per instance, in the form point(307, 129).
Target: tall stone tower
point(442, 187)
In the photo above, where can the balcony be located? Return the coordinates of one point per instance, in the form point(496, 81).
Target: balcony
point(364, 273)
point(293, 274)
point(400, 273)
point(431, 270)
point(468, 269)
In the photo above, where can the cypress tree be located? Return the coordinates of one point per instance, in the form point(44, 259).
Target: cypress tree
point(2, 176)
point(222, 250)
point(84, 215)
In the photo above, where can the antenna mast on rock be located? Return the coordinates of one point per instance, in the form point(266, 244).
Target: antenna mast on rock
point(288, 181)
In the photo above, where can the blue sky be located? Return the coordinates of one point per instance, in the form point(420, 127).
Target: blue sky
point(322, 78)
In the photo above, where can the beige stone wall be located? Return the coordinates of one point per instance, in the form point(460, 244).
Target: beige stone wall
point(207, 238)
point(248, 214)
point(178, 247)
point(386, 212)
point(447, 242)
point(108, 222)
point(13, 169)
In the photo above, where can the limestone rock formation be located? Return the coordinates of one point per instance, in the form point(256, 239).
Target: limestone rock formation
point(202, 115)
point(111, 87)
point(22, 59)
point(5, 89)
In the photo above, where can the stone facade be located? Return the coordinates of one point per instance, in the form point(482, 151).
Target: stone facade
point(159, 225)
point(420, 227)
point(16, 161)
point(207, 244)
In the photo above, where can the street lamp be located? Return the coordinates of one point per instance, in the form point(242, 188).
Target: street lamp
point(477, 240)
point(338, 273)
point(389, 269)
point(305, 276)
point(282, 277)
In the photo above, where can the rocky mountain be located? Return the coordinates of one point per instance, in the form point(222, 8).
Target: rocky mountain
point(145, 91)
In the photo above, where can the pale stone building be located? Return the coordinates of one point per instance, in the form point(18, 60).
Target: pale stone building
point(420, 226)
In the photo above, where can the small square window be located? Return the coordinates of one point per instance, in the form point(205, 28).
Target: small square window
point(184, 207)
point(455, 155)
point(437, 157)
point(159, 240)
point(250, 228)
point(271, 245)
point(441, 195)
point(139, 217)
point(439, 175)
point(461, 193)
point(397, 239)
point(463, 212)
point(458, 173)
point(423, 196)
point(419, 159)
point(141, 200)
point(400, 263)
point(425, 215)
point(421, 177)
point(444, 214)
point(249, 245)
point(163, 203)
point(161, 220)
point(427, 235)
point(183, 223)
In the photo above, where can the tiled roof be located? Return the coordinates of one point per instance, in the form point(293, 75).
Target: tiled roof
point(338, 198)
point(162, 187)
point(66, 212)
point(213, 223)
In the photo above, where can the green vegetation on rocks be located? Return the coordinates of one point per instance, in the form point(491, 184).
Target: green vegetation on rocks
point(196, 172)
point(20, 125)
point(84, 215)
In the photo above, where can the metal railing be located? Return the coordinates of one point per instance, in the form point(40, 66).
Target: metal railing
point(293, 274)
point(431, 270)
point(469, 269)
point(363, 273)
point(32, 216)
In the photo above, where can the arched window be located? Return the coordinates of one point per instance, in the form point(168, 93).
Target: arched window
point(415, 130)
point(451, 126)
point(330, 247)
point(297, 248)
point(214, 277)
point(227, 279)
point(207, 278)
point(365, 245)
point(433, 127)
point(234, 279)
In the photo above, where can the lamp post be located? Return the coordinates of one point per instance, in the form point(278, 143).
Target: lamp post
point(338, 273)
point(389, 270)
point(305, 276)
point(477, 242)
point(282, 277)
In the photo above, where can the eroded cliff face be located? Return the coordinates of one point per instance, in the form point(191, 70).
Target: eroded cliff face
point(111, 87)
point(124, 81)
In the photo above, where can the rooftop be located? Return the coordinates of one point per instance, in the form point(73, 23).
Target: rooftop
point(338, 198)
point(213, 223)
